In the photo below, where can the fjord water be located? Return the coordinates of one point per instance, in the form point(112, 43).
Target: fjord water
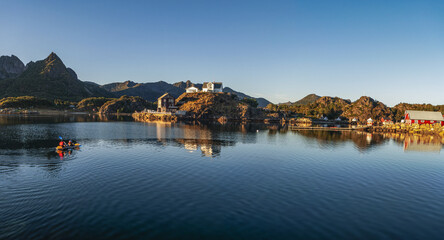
point(179, 181)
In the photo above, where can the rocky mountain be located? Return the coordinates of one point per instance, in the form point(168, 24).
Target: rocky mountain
point(187, 84)
point(215, 106)
point(310, 98)
point(50, 79)
point(10, 67)
point(331, 107)
point(334, 107)
point(365, 108)
point(119, 86)
point(148, 91)
point(151, 91)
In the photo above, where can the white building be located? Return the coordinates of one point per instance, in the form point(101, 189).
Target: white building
point(369, 122)
point(212, 87)
point(192, 89)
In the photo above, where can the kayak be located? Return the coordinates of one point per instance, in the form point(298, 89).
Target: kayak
point(60, 148)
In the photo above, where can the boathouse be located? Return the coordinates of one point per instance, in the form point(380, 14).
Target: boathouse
point(165, 103)
point(423, 117)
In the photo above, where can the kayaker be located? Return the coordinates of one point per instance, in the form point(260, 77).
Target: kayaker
point(70, 143)
point(62, 144)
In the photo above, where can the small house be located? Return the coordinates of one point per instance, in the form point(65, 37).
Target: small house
point(369, 122)
point(165, 103)
point(212, 87)
point(423, 117)
point(192, 89)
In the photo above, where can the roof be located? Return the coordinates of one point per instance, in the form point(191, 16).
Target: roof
point(165, 95)
point(424, 115)
point(217, 84)
point(205, 85)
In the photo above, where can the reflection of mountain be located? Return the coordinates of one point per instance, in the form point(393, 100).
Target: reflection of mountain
point(362, 141)
point(45, 119)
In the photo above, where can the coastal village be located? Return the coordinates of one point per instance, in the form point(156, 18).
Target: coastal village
point(414, 121)
point(200, 102)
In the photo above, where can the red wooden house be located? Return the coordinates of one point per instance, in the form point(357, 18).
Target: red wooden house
point(423, 117)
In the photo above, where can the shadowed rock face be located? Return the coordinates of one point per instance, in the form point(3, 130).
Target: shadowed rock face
point(10, 67)
point(54, 67)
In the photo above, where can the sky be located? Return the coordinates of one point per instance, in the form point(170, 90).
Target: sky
point(392, 50)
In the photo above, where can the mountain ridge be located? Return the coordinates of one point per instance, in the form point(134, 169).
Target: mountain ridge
point(48, 78)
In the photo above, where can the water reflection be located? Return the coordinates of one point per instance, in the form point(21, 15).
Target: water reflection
point(13, 119)
point(38, 135)
point(362, 141)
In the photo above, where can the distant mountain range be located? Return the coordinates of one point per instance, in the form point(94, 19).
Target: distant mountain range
point(151, 91)
point(51, 79)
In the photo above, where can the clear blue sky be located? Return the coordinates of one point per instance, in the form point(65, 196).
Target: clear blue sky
point(392, 50)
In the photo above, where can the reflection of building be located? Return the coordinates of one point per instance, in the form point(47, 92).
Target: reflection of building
point(369, 138)
point(423, 117)
point(192, 146)
point(418, 144)
point(209, 149)
point(163, 130)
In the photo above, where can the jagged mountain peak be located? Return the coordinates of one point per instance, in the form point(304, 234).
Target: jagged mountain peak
point(54, 67)
point(49, 78)
point(10, 66)
point(52, 57)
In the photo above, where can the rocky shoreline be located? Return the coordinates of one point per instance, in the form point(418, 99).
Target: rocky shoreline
point(424, 129)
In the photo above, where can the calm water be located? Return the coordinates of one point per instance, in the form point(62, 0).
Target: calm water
point(176, 181)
